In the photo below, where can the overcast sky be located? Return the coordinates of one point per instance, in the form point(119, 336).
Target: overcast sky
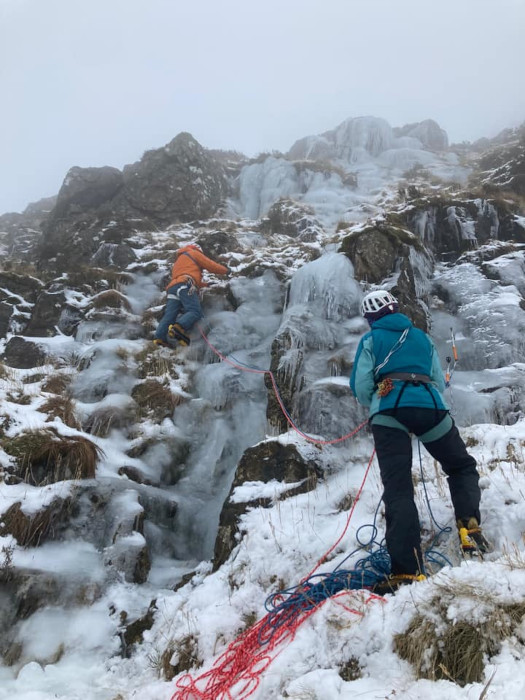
point(98, 82)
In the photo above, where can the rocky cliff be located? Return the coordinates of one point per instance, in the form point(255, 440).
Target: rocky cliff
point(126, 469)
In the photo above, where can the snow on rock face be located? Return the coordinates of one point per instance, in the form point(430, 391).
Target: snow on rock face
point(354, 140)
point(487, 315)
point(366, 148)
point(328, 287)
point(264, 183)
point(159, 490)
point(428, 133)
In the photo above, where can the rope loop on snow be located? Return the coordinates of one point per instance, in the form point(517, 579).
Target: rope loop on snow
point(236, 673)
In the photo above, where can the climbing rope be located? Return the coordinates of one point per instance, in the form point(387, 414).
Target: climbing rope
point(246, 368)
point(238, 670)
point(449, 372)
point(431, 554)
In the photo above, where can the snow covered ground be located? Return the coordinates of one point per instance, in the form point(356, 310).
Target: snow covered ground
point(282, 544)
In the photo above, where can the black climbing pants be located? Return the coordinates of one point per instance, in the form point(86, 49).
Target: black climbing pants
point(394, 454)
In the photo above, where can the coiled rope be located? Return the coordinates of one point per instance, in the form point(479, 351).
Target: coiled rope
point(256, 370)
point(237, 672)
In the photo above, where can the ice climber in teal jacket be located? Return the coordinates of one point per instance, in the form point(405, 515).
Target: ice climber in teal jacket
point(397, 374)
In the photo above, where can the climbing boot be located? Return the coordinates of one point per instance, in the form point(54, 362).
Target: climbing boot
point(178, 333)
point(472, 540)
point(160, 343)
point(391, 583)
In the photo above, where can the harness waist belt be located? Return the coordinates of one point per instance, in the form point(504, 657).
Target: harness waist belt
point(407, 377)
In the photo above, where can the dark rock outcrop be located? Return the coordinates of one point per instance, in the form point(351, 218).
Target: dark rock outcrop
point(179, 182)
point(288, 383)
point(114, 255)
point(289, 218)
point(20, 233)
point(264, 462)
point(6, 311)
point(86, 188)
point(382, 251)
point(23, 354)
point(503, 164)
point(46, 314)
point(97, 207)
point(23, 286)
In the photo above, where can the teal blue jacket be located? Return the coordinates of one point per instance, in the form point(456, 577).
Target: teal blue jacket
point(394, 345)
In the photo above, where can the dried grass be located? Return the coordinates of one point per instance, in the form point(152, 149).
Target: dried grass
point(152, 363)
point(45, 457)
point(57, 383)
point(62, 407)
point(102, 421)
point(185, 652)
point(93, 278)
point(154, 399)
point(440, 648)
point(112, 299)
point(32, 530)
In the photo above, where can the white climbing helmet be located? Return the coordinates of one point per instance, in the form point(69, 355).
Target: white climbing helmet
point(378, 303)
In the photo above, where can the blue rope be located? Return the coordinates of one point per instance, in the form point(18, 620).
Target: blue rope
point(432, 555)
point(285, 606)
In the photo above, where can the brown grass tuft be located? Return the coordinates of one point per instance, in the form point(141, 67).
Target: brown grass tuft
point(154, 363)
point(61, 407)
point(103, 420)
point(155, 399)
point(186, 655)
point(112, 299)
point(45, 457)
point(57, 383)
point(351, 670)
point(455, 650)
point(31, 530)
point(93, 278)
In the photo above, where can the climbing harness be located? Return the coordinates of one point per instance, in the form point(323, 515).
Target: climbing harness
point(189, 286)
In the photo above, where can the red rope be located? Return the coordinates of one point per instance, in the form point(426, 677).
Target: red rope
point(345, 529)
point(237, 672)
point(279, 399)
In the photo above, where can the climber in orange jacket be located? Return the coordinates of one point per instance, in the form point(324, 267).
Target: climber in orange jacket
point(183, 307)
